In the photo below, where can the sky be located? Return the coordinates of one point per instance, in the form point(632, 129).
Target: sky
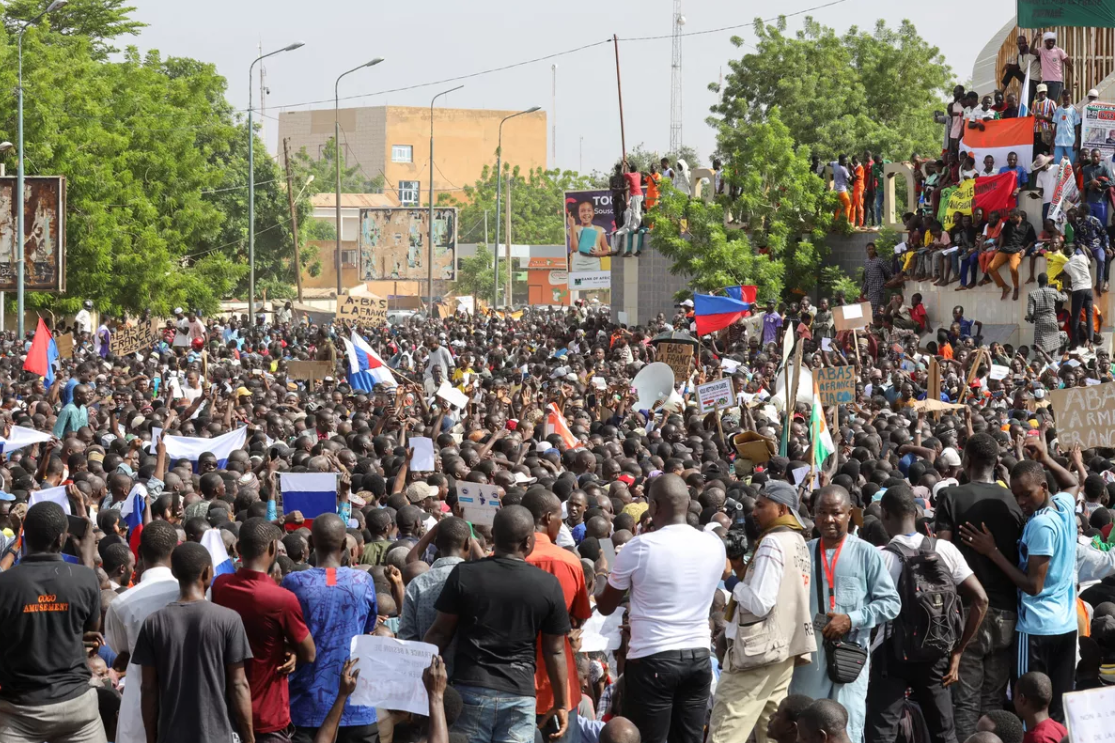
point(424, 41)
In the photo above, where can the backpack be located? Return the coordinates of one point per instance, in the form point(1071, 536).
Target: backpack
point(930, 622)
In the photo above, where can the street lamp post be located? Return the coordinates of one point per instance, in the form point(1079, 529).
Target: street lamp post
point(337, 157)
point(499, 192)
point(19, 173)
point(430, 254)
point(252, 182)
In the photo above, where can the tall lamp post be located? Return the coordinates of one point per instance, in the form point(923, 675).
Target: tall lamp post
point(499, 192)
point(337, 157)
point(19, 174)
point(430, 255)
point(252, 182)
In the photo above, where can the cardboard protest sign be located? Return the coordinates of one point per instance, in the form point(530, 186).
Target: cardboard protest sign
point(128, 339)
point(391, 673)
point(717, 395)
point(310, 370)
point(852, 316)
point(65, 345)
point(836, 384)
point(1085, 416)
point(364, 310)
point(679, 357)
point(478, 503)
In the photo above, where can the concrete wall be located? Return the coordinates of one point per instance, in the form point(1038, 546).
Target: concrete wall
point(363, 131)
point(644, 286)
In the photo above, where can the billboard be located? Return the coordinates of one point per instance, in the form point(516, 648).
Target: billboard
point(394, 243)
point(1097, 129)
point(44, 231)
point(589, 225)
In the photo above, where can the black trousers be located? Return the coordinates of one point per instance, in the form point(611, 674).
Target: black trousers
point(886, 695)
point(666, 695)
point(1081, 300)
point(1053, 655)
point(350, 734)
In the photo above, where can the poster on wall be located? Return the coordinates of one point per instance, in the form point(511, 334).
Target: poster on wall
point(589, 224)
point(394, 243)
point(44, 230)
point(1097, 131)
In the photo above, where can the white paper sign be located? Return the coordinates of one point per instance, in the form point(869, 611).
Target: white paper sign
point(423, 459)
point(1089, 714)
point(453, 396)
point(852, 312)
point(622, 317)
point(156, 435)
point(826, 344)
point(716, 395)
point(479, 503)
point(600, 633)
point(600, 383)
point(391, 673)
point(999, 372)
point(800, 474)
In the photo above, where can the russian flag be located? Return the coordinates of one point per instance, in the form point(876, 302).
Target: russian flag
point(20, 438)
point(222, 563)
point(51, 495)
point(186, 447)
point(43, 354)
point(131, 510)
point(715, 313)
point(1000, 138)
point(311, 493)
point(745, 294)
point(365, 368)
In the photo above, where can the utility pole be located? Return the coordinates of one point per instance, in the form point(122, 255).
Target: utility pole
point(293, 218)
point(553, 115)
point(509, 292)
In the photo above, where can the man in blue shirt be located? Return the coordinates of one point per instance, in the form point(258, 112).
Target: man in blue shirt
point(1067, 135)
point(1046, 570)
point(338, 604)
point(1012, 166)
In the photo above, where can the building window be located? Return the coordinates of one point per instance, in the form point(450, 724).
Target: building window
point(402, 153)
point(348, 257)
point(408, 193)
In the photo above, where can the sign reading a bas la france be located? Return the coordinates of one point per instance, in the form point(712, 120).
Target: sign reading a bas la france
point(363, 310)
point(128, 339)
point(836, 384)
point(1085, 416)
point(679, 357)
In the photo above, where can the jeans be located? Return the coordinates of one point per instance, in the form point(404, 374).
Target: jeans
point(666, 695)
point(491, 716)
point(1098, 209)
point(984, 671)
point(879, 206)
point(1053, 91)
point(969, 269)
point(886, 696)
point(74, 721)
point(869, 209)
point(1081, 332)
point(1060, 151)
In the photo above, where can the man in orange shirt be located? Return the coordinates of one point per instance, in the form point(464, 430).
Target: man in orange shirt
point(563, 565)
point(653, 177)
point(857, 191)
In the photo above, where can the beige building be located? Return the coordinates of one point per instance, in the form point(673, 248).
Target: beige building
point(394, 141)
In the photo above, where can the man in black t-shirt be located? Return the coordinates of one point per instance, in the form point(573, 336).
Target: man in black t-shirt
point(47, 608)
point(986, 664)
point(497, 608)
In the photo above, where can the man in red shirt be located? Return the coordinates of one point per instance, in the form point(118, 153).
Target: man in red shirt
point(545, 507)
point(272, 618)
point(1032, 694)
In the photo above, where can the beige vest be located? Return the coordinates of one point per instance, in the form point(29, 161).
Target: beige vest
point(787, 630)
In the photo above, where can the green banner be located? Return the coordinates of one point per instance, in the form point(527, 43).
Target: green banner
point(1048, 13)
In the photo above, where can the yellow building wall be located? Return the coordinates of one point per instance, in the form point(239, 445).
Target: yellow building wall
point(327, 256)
point(465, 140)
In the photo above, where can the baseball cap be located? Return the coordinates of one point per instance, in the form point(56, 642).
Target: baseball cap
point(784, 493)
point(950, 457)
point(1093, 93)
point(6, 496)
point(417, 492)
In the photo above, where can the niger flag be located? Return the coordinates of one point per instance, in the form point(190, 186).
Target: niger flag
point(555, 423)
point(999, 138)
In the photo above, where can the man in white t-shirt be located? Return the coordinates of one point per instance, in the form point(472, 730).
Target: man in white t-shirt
point(672, 574)
point(929, 679)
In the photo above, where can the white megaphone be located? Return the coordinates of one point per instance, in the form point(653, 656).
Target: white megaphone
point(655, 383)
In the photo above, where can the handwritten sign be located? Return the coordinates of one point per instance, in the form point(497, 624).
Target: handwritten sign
point(1089, 714)
point(852, 316)
point(479, 503)
point(362, 310)
point(679, 357)
point(717, 395)
point(391, 673)
point(837, 385)
point(128, 339)
point(309, 370)
point(1085, 416)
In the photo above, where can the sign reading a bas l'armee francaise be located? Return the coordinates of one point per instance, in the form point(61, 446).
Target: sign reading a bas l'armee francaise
point(1085, 416)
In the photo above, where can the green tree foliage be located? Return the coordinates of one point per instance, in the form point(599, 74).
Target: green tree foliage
point(841, 94)
point(324, 171)
point(537, 204)
point(98, 21)
point(475, 275)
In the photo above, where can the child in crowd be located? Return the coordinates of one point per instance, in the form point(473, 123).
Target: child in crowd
point(1032, 694)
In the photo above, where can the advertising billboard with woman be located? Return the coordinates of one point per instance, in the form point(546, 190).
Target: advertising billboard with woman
point(589, 224)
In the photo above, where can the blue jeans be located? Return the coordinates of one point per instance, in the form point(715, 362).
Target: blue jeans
point(1063, 151)
point(879, 206)
point(491, 716)
point(1098, 209)
point(969, 269)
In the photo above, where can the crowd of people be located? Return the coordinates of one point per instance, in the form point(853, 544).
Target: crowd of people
point(937, 574)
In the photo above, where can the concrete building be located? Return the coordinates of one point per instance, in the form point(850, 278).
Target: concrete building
point(394, 141)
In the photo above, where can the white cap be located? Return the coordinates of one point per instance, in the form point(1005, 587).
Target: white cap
point(1049, 35)
point(1093, 93)
point(687, 303)
point(178, 310)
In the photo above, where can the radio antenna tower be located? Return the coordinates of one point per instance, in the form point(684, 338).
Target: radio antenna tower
point(675, 80)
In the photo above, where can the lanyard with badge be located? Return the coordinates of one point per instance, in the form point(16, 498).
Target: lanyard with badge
point(821, 619)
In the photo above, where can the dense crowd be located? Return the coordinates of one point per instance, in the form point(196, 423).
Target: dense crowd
point(935, 576)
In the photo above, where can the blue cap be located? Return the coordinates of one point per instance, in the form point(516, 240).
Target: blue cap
point(6, 496)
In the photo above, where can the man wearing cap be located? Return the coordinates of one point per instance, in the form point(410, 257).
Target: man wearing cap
point(768, 620)
point(83, 321)
point(851, 593)
point(1054, 63)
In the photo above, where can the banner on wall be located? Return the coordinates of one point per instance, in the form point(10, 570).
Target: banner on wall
point(589, 224)
point(1097, 130)
point(990, 193)
point(1072, 13)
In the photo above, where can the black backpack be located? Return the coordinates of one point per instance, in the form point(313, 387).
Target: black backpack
point(930, 622)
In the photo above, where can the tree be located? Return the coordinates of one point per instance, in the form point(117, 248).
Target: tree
point(474, 276)
point(98, 21)
point(873, 91)
point(324, 172)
